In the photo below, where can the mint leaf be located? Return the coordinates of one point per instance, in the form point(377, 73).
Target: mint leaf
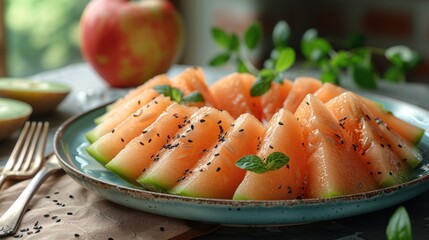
point(174, 93)
point(340, 60)
point(241, 66)
point(259, 88)
point(193, 97)
point(285, 59)
point(281, 34)
point(220, 59)
point(330, 76)
point(253, 35)
point(394, 74)
point(309, 35)
point(276, 160)
point(234, 44)
point(221, 37)
point(399, 226)
point(363, 75)
point(251, 163)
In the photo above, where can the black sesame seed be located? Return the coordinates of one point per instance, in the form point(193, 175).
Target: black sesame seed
point(219, 122)
point(46, 215)
point(270, 146)
point(192, 126)
point(122, 140)
point(218, 169)
point(76, 235)
point(56, 192)
point(69, 213)
point(190, 141)
point(162, 229)
point(145, 131)
point(202, 120)
point(150, 140)
point(241, 130)
point(216, 154)
point(141, 143)
point(280, 123)
point(399, 145)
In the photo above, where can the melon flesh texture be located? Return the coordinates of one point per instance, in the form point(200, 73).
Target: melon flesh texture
point(333, 168)
point(192, 79)
point(204, 129)
point(139, 153)
point(109, 145)
point(215, 175)
point(161, 79)
point(301, 87)
point(408, 131)
point(407, 151)
point(123, 113)
point(385, 166)
point(283, 134)
point(272, 101)
point(232, 94)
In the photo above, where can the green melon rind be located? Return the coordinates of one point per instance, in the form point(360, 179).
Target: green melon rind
point(332, 193)
point(123, 173)
point(91, 136)
point(419, 136)
point(182, 192)
point(91, 149)
point(149, 182)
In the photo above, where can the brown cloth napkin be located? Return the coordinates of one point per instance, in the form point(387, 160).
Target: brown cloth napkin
point(62, 209)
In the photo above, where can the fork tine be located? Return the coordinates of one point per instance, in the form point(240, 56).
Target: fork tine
point(18, 146)
point(35, 156)
point(25, 147)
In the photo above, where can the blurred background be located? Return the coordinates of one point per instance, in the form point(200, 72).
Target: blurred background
point(39, 35)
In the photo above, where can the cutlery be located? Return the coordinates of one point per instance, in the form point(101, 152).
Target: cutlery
point(10, 220)
point(27, 155)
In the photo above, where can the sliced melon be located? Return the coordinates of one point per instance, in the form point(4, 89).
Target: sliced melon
point(204, 129)
point(113, 118)
point(161, 79)
point(272, 101)
point(385, 166)
point(301, 87)
point(192, 79)
point(408, 131)
point(110, 144)
point(328, 91)
point(283, 134)
point(232, 94)
point(333, 168)
point(13, 114)
point(139, 153)
point(215, 175)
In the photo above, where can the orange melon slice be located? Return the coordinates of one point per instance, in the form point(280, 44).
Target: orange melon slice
point(407, 130)
point(301, 87)
point(161, 79)
point(204, 129)
point(192, 79)
point(232, 94)
point(110, 144)
point(272, 101)
point(118, 116)
point(283, 134)
point(217, 168)
point(333, 168)
point(385, 166)
point(139, 153)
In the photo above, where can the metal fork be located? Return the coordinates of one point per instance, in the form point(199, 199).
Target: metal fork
point(27, 155)
point(11, 219)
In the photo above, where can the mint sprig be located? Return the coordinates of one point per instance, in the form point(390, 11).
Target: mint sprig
point(176, 94)
point(354, 58)
point(253, 163)
point(399, 226)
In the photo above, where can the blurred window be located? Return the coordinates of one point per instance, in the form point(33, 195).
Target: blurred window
point(40, 35)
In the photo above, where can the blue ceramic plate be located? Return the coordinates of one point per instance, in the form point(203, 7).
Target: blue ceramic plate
point(70, 146)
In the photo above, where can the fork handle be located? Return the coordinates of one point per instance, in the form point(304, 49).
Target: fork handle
point(12, 217)
point(2, 179)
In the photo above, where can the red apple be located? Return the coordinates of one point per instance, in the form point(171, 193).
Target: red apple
point(128, 42)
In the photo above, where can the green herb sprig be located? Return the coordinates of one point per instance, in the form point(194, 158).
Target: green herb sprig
point(355, 59)
point(281, 58)
point(176, 94)
point(255, 164)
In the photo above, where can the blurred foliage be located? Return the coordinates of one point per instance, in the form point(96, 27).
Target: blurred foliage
point(42, 34)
